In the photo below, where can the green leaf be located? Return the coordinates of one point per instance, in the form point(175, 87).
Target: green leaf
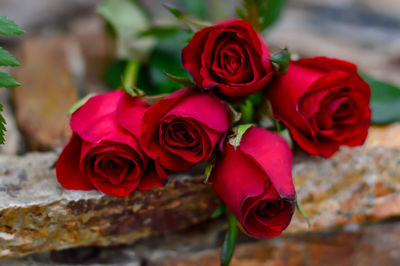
point(270, 12)
point(262, 14)
point(303, 213)
point(197, 8)
point(281, 61)
point(385, 101)
point(7, 81)
point(218, 212)
point(209, 167)
point(80, 103)
point(194, 24)
point(9, 28)
point(2, 125)
point(228, 246)
point(133, 91)
point(128, 18)
point(236, 116)
point(184, 81)
point(7, 59)
point(159, 32)
point(238, 133)
point(286, 135)
point(174, 11)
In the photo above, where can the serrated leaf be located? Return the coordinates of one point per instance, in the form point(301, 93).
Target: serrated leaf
point(7, 59)
point(128, 18)
point(2, 125)
point(303, 213)
point(184, 81)
point(385, 101)
point(80, 103)
point(238, 133)
point(282, 60)
point(228, 247)
point(6, 81)
point(218, 212)
point(8, 27)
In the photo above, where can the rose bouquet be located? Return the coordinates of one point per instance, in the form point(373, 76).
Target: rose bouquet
point(235, 114)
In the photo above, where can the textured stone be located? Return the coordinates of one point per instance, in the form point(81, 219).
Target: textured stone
point(37, 214)
point(47, 91)
point(356, 185)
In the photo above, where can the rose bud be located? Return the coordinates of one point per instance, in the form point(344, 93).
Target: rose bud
point(324, 103)
point(183, 128)
point(102, 154)
point(255, 182)
point(230, 56)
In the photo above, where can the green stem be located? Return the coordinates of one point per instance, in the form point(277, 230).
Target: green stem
point(131, 73)
point(247, 110)
point(228, 247)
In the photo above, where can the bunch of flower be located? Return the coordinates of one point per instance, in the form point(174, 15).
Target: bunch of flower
point(123, 143)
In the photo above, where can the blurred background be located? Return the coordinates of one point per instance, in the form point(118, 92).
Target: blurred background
point(69, 46)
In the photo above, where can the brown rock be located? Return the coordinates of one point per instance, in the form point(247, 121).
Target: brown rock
point(47, 91)
point(37, 214)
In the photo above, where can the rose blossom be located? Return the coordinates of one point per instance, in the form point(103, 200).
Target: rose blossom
point(323, 102)
point(255, 182)
point(183, 128)
point(230, 56)
point(102, 154)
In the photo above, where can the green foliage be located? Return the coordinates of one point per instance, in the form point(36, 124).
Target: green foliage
point(184, 81)
point(303, 213)
point(80, 103)
point(6, 81)
point(218, 212)
point(238, 133)
point(159, 32)
point(262, 14)
point(128, 19)
point(9, 28)
point(197, 8)
point(385, 101)
point(7, 59)
point(230, 240)
point(281, 61)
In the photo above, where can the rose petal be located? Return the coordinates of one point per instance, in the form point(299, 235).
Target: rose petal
point(68, 171)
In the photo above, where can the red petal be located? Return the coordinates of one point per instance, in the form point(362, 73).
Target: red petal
point(271, 152)
point(96, 120)
point(68, 171)
point(130, 114)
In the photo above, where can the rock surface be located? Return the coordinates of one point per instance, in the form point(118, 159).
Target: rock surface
point(36, 214)
point(48, 90)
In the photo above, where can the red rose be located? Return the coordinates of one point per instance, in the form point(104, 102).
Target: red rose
point(255, 182)
point(324, 103)
point(102, 154)
point(230, 56)
point(183, 128)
